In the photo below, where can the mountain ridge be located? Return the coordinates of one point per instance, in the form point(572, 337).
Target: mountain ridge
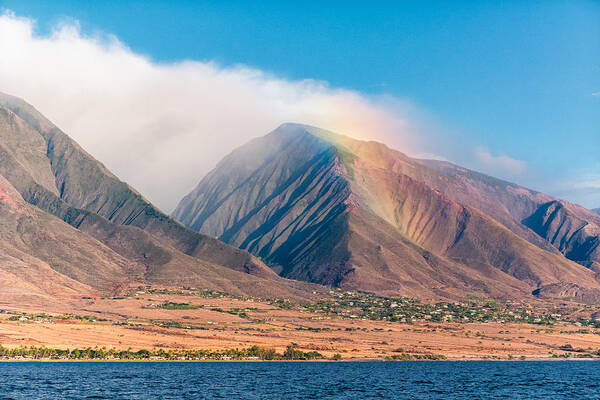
point(103, 194)
point(300, 188)
point(54, 174)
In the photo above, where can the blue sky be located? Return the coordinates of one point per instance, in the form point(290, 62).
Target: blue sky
point(515, 79)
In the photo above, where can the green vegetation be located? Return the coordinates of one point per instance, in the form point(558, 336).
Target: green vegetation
point(292, 353)
point(254, 352)
point(414, 357)
point(367, 306)
point(175, 324)
point(240, 312)
point(169, 305)
point(21, 316)
point(362, 305)
point(204, 293)
point(251, 353)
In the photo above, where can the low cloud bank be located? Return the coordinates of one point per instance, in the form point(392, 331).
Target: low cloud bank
point(500, 163)
point(161, 127)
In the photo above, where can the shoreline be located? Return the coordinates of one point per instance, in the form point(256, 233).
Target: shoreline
point(466, 360)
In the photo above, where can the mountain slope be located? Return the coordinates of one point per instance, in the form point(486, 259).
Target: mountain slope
point(505, 202)
point(51, 172)
point(571, 229)
point(41, 161)
point(43, 259)
point(329, 209)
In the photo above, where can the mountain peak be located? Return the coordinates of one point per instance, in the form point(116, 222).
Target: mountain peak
point(293, 129)
point(334, 210)
point(369, 150)
point(287, 126)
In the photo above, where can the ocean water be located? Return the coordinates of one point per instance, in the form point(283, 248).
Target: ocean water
point(301, 380)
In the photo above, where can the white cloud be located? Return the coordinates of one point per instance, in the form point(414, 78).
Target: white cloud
point(429, 156)
point(499, 164)
point(161, 127)
point(589, 181)
point(582, 186)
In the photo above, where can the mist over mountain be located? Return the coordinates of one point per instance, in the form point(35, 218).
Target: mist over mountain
point(325, 208)
point(82, 228)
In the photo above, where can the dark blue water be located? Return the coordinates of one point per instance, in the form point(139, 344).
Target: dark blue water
point(301, 380)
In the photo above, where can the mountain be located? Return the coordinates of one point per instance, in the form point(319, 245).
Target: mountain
point(534, 216)
point(316, 206)
point(596, 210)
point(110, 235)
point(44, 260)
point(325, 208)
point(572, 229)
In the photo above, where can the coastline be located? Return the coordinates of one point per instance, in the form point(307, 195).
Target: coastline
point(10, 361)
